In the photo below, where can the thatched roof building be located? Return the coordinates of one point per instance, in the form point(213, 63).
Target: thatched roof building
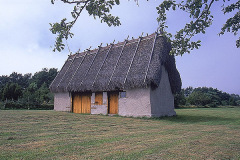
point(131, 64)
point(136, 63)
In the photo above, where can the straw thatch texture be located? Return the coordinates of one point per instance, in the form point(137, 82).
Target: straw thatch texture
point(131, 64)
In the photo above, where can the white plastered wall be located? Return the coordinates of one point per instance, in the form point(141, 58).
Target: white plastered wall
point(139, 102)
point(136, 103)
point(162, 99)
point(62, 102)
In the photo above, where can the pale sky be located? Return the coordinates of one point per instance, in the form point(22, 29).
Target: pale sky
point(25, 40)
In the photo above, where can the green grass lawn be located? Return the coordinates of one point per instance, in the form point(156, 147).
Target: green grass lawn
point(194, 134)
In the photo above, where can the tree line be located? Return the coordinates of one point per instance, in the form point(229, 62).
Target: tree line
point(205, 97)
point(18, 91)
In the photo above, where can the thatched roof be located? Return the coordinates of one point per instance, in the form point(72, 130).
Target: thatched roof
point(129, 64)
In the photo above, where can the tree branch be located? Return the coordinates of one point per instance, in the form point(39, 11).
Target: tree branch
point(71, 2)
point(78, 14)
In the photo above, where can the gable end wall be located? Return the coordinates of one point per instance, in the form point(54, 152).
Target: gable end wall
point(162, 99)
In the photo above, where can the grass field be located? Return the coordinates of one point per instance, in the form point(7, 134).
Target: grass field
point(193, 134)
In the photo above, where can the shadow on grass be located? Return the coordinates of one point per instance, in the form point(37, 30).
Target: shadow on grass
point(199, 119)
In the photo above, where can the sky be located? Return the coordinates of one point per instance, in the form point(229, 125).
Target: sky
point(25, 40)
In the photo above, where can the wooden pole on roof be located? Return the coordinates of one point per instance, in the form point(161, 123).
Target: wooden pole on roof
point(79, 66)
point(110, 79)
point(76, 71)
point(150, 59)
point(103, 62)
point(140, 38)
point(84, 77)
point(89, 48)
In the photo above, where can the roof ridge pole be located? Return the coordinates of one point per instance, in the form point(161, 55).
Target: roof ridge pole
point(66, 71)
point(103, 62)
point(140, 38)
point(90, 66)
point(126, 41)
point(76, 70)
point(150, 59)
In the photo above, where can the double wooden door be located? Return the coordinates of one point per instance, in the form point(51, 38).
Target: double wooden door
point(81, 103)
point(113, 102)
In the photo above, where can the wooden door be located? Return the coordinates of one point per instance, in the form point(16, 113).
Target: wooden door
point(81, 103)
point(86, 103)
point(113, 103)
point(77, 103)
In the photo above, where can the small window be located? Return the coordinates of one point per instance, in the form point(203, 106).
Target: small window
point(99, 98)
point(123, 94)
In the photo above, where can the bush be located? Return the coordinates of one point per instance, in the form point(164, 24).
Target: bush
point(212, 105)
point(238, 102)
point(199, 98)
point(24, 105)
point(13, 105)
point(1, 105)
point(179, 99)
